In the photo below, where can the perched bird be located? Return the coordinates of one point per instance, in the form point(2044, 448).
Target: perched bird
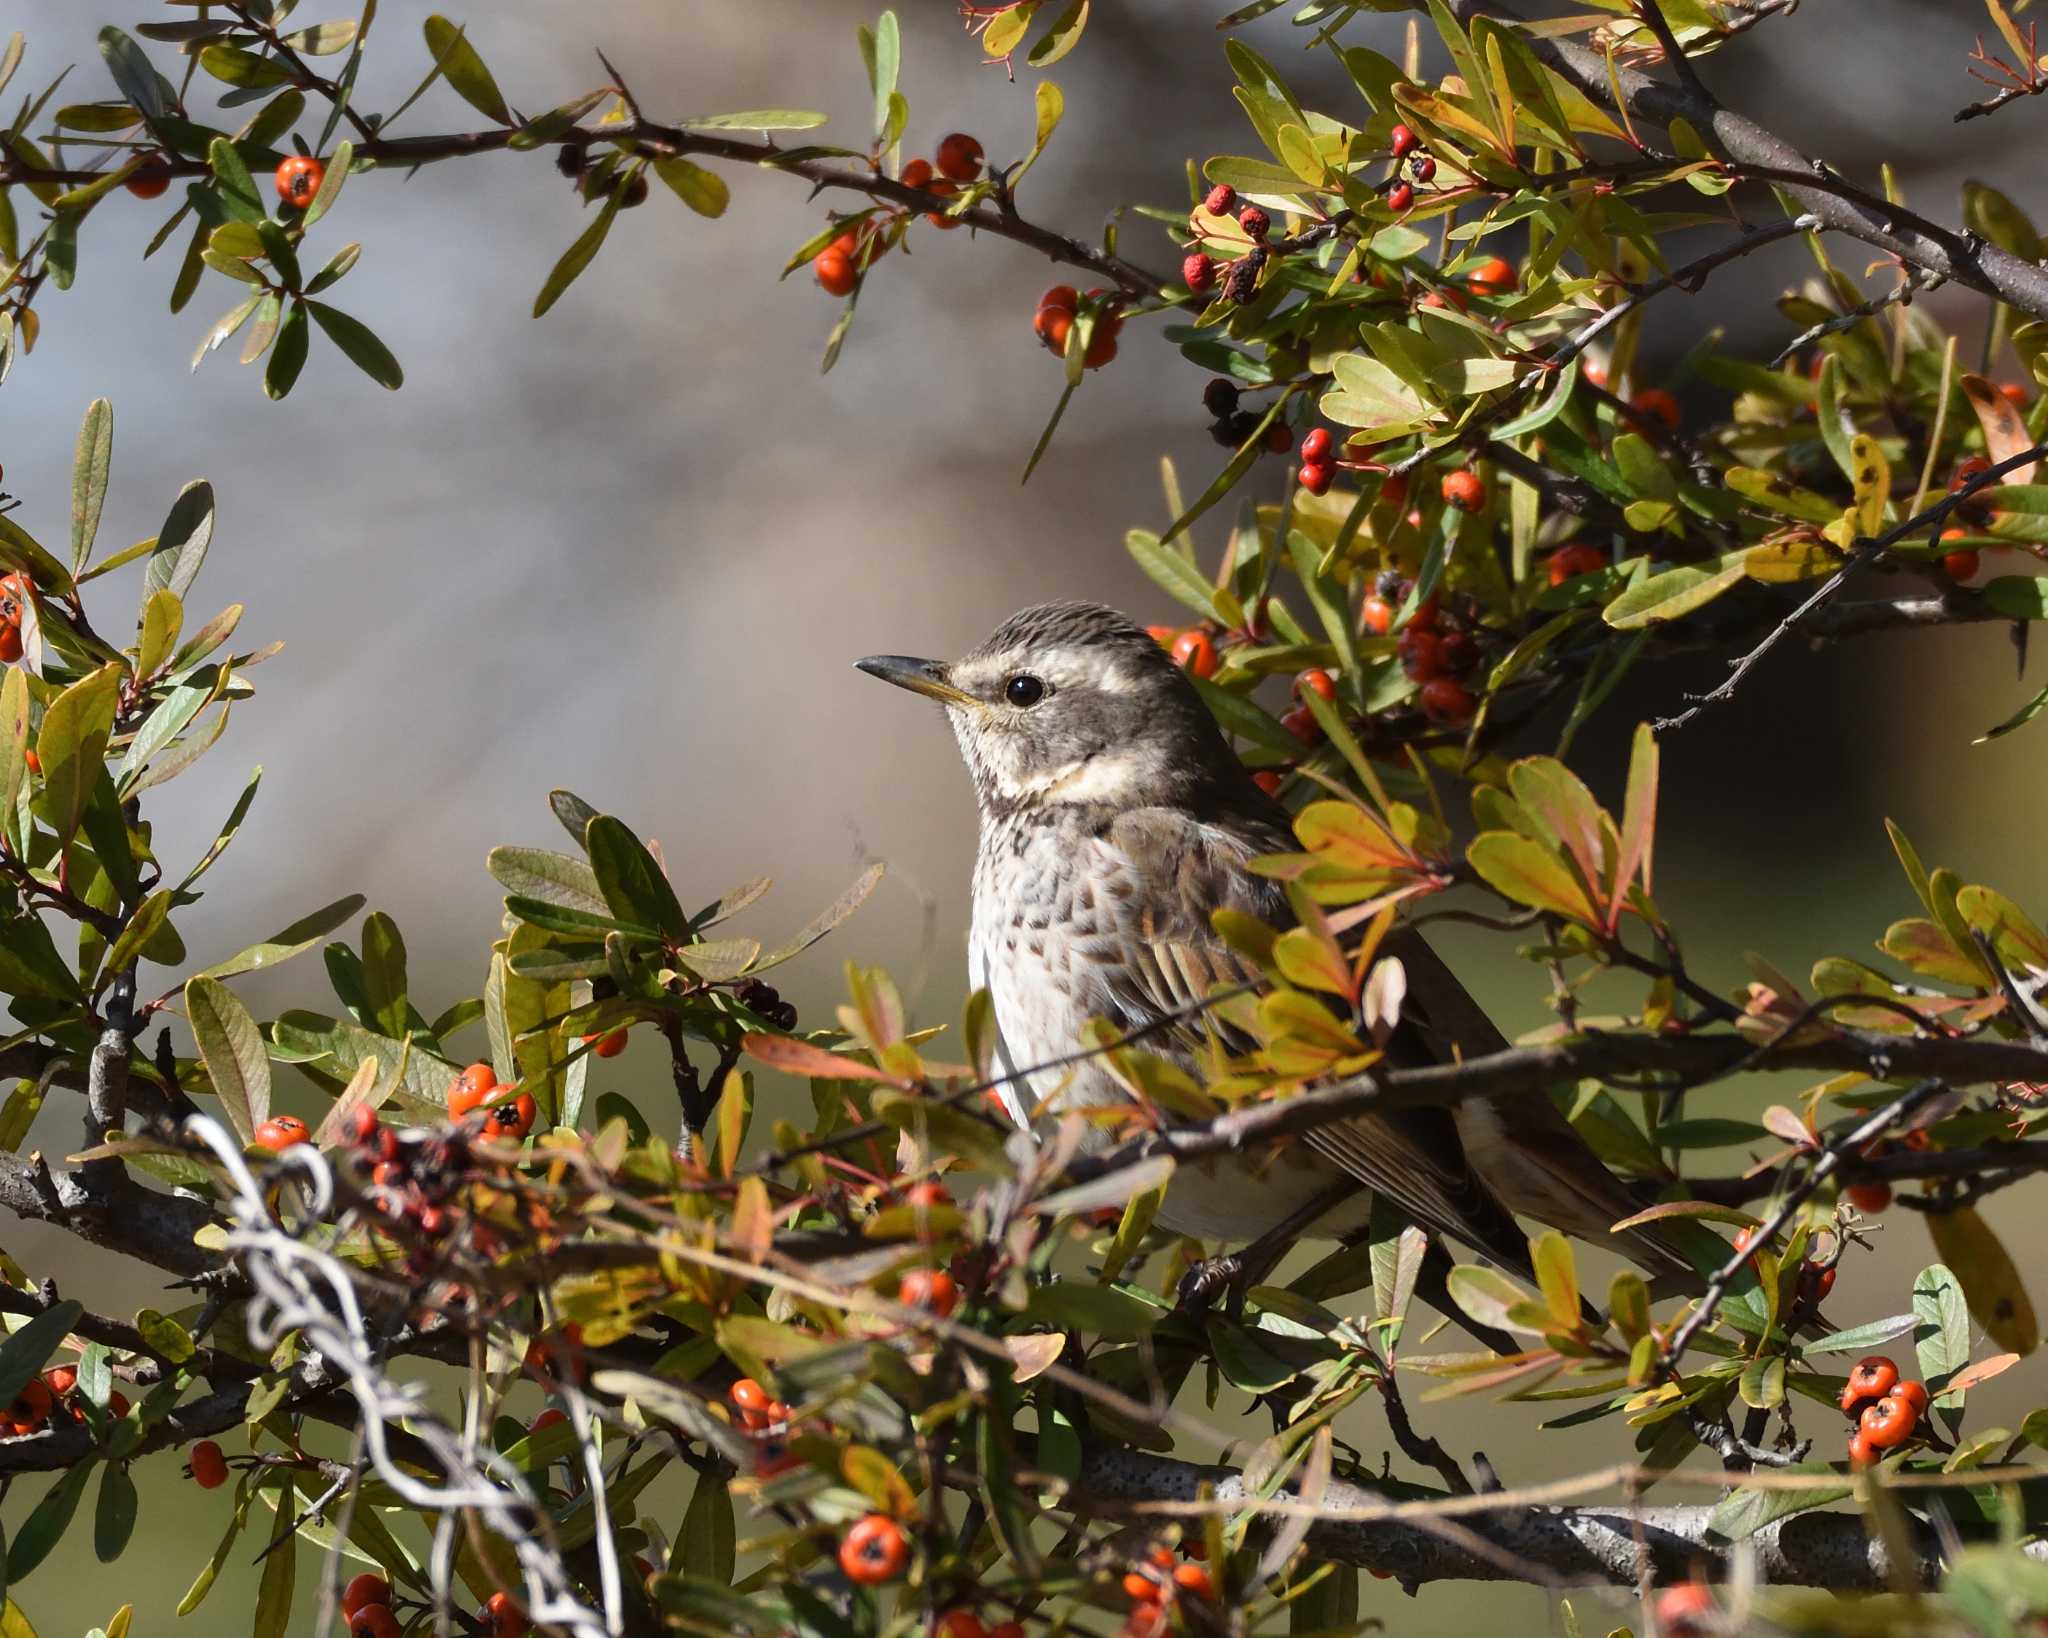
point(1115, 820)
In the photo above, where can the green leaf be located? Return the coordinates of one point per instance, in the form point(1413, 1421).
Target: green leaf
point(29, 963)
point(1747, 1511)
point(299, 937)
point(130, 67)
point(89, 469)
point(1941, 1330)
point(705, 192)
point(148, 920)
point(165, 1336)
point(634, 887)
point(245, 70)
point(359, 342)
point(754, 119)
point(538, 873)
point(280, 1569)
point(233, 185)
point(26, 1351)
point(1173, 572)
point(577, 257)
point(331, 180)
point(2023, 597)
point(1096, 1309)
point(72, 746)
point(14, 712)
point(181, 544)
point(1526, 871)
point(885, 62)
point(288, 356)
point(45, 1526)
point(232, 1048)
point(114, 1518)
point(464, 70)
point(706, 1546)
point(1672, 594)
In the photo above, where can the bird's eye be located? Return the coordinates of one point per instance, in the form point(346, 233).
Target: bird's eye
point(1023, 690)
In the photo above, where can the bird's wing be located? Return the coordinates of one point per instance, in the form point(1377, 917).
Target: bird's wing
point(1522, 1145)
point(1155, 877)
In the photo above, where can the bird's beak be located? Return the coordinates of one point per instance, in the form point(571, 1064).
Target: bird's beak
point(927, 677)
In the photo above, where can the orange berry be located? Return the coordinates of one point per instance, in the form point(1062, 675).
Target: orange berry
point(1319, 680)
point(835, 272)
point(931, 1289)
point(1569, 562)
point(1869, 1378)
point(1192, 1578)
point(1053, 327)
point(367, 1588)
point(511, 1121)
point(2011, 391)
point(1449, 296)
point(1063, 297)
point(507, 1619)
point(938, 218)
point(1463, 490)
point(916, 173)
point(1862, 1453)
point(1495, 277)
point(374, 1621)
point(479, 1077)
point(209, 1466)
point(298, 179)
point(960, 1624)
point(1887, 1424)
point(874, 1550)
point(1301, 723)
point(1913, 1394)
point(1376, 615)
point(610, 1044)
point(547, 1419)
point(1869, 1198)
point(60, 1380)
point(1101, 345)
point(1007, 1629)
point(1685, 1612)
point(1163, 635)
point(929, 1195)
point(1141, 1588)
point(1146, 1621)
point(282, 1132)
point(1656, 401)
point(1960, 566)
point(1195, 653)
point(1268, 781)
point(752, 1401)
point(35, 762)
point(1976, 466)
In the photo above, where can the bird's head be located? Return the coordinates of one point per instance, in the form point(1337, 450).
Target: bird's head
point(1071, 704)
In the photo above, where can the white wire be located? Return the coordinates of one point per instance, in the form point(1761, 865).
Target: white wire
point(302, 1288)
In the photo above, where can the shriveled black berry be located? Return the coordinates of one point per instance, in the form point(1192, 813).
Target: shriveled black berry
point(570, 159)
point(1220, 429)
point(1219, 397)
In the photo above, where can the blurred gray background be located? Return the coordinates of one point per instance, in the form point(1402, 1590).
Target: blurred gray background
point(633, 547)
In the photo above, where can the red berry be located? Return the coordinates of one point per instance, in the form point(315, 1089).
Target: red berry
point(282, 1132)
point(1656, 401)
point(1421, 651)
point(835, 272)
point(610, 1044)
point(154, 179)
point(1961, 565)
point(363, 1125)
point(1816, 1280)
point(1862, 1453)
point(916, 173)
point(298, 179)
point(1316, 477)
point(377, 1621)
point(1268, 781)
point(1569, 562)
point(1400, 196)
point(752, 1401)
point(209, 1466)
point(1887, 1424)
point(1446, 700)
point(1974, 467)
point(1376, 615)
point(1192, 1578)
point(510, 1121)
point(60, 1380)
point(1007, 1629)
point(959, 1624)
point(1869, 1198)
point(367, 1588)
point(1053, 325)
point(2011, 391)
point(1423, 169)
point(507, 1619)
point(873, 1551)
point(1869, 1378)
point(1198, 273)
point(959, 157)
point(1195, 653)
point(1495, 277)
point(1301, 723)
point(479, 1077)
point(931, 1289)
point(1913, 1395)
point(1318, 680)
point(1401, 142)
point(1220, 199)
point(1685, 1612)
point(1255, 222)
point(1163, 635)
point(1463, 490)
point(1316, 445)
point(943, 190)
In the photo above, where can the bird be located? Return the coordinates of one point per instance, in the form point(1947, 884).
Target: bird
point(1115, 821)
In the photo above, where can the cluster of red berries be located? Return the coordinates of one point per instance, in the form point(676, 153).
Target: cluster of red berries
point(766, 1418)
point(1412, 164)
point(1156, 1583)
point(1318, 466)
point(506, 1120)
point(1436, 651)
point(1239, 278)
point(42, 1397)
point(1884, 1409)
point(366, 1604)
point(1054, 322)
point(15, 591)
point(298, 179)
point(840, 264)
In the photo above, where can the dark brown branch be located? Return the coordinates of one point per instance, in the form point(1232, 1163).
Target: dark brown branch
point(142, 1223)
